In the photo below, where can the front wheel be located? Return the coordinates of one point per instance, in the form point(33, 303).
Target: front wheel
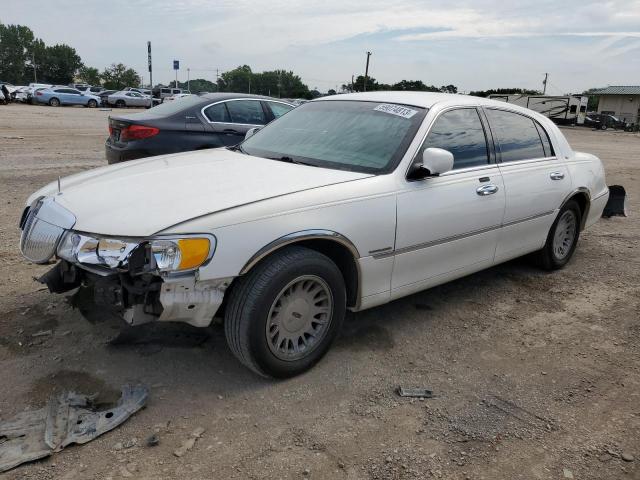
point(562, 238)
point(284, 314)
point(92, 104)
point(120, 104)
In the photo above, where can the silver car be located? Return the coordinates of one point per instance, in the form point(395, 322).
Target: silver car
point(129, 99)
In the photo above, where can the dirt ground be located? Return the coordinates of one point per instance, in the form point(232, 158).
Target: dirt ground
point(536, 375)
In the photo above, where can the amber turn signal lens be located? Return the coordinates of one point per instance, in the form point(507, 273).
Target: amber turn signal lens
point(193, 252)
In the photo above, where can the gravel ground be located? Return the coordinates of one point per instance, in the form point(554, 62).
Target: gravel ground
point(536, 374)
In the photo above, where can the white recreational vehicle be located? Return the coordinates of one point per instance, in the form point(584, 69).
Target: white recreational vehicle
point(565, 109)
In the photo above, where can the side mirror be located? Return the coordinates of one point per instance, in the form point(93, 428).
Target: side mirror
point(435, 161)
point(251, 132)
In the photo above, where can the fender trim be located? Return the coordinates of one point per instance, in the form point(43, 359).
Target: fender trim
point(297, 237)
point(583, 190)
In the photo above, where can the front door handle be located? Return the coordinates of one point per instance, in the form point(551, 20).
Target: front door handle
point(230, 131)
point(486, 190)
point(556, 175)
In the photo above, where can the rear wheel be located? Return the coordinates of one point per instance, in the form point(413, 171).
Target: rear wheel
point(120, 104)
point(54, 102)
point(92, 104)
point(562, 238)
point(284, 314)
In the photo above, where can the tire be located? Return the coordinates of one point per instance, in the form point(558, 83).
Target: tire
point(603, 127)
point(54, 102)
point(92, 104)
point(274, 291)
point(120, 104)
point(558, 249)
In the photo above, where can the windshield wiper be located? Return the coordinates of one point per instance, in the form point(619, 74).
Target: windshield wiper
point(287, 159)
point(237, 148)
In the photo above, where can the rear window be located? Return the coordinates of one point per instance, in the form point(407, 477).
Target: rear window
point(517, 136)
point(169, 108)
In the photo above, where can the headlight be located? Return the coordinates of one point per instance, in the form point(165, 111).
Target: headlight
point(180, 254)
point(168, 254)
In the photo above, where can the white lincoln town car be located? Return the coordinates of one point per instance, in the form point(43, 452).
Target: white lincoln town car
point(346, 202)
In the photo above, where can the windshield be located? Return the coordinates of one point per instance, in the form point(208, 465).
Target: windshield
point(368, 137)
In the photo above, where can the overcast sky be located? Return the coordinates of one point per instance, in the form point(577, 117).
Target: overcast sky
point(475, 45)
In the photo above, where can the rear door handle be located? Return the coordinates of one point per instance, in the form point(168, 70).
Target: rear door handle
point(485, 190)
point(556, 175)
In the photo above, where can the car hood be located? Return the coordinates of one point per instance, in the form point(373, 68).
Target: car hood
point(143, 197)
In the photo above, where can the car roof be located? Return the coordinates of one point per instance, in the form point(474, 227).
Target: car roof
point(226, 96)
point(418, 99)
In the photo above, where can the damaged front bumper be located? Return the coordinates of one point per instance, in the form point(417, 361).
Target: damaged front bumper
point(141, 279)
point(144, 298)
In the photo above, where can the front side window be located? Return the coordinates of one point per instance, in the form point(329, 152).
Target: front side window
point(369, 137)
point(246, 111)
point(217, 113)
point(279, 109)
point(516, 135)
point(461, 133)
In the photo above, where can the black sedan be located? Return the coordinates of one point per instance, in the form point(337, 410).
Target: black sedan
point(190, 123)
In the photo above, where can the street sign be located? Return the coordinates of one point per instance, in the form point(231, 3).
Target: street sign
point(149, 55)
point(176, 64)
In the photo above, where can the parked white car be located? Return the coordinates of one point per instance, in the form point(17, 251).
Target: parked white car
point(176, 97)
point(129, 98)
point(346, 202)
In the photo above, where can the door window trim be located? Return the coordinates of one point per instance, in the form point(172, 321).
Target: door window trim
point(491, 155)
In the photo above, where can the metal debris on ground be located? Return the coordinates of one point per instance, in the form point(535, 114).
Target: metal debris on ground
point(189, 442)
point(66, 419)
point(414, 392)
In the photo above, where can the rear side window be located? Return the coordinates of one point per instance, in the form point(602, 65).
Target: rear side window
point(278, 109)
point(247, 112)
point(516, 135)
point(217, 113)
point(460, 132)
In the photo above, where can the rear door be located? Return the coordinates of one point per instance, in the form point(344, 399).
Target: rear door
point(231, 119)
point(536, 181)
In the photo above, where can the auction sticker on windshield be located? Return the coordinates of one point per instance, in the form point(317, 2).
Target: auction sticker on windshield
point(403, 112)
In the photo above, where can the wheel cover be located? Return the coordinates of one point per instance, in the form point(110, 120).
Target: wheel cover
point(299, 318)
point(564, 235)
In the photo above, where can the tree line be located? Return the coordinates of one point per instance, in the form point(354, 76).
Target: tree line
point(406, 85)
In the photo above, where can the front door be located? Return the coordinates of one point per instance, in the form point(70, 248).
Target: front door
point(448, 225)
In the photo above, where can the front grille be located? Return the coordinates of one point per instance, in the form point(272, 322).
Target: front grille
point(40, 236)
point(39, 239)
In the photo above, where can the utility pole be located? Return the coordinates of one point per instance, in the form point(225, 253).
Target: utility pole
point(353, 84)
point(544, 83)
point(188, 78)
point(366, 73)
point(279, 84)
point(217, 86)
point(33, 62)
point(149, 65)
point(249, 84)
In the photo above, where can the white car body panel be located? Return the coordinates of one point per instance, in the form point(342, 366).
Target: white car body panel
point(407, 235)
